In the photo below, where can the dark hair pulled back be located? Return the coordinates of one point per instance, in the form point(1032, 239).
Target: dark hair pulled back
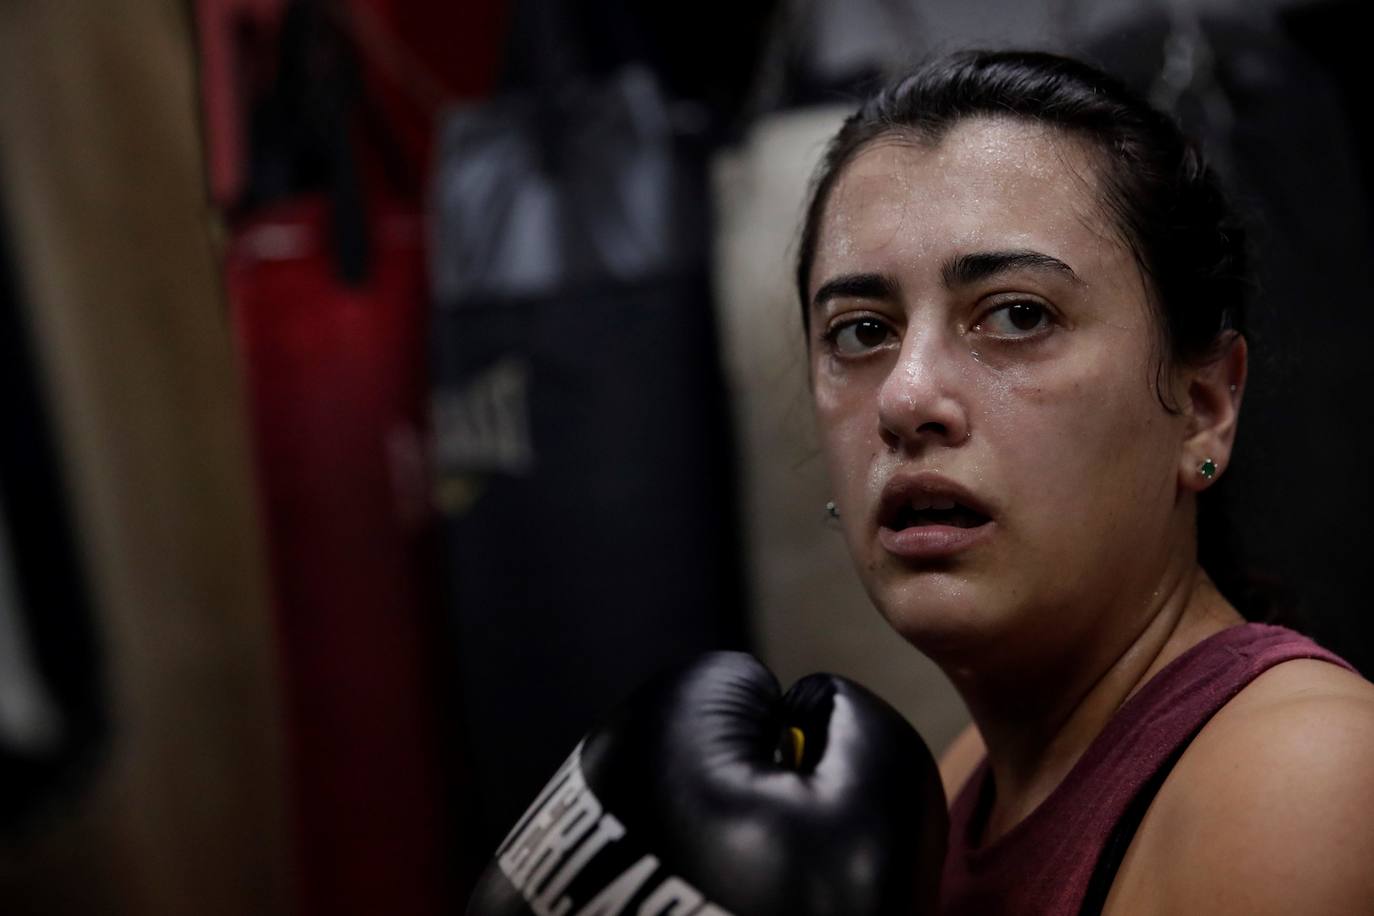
point(1167, 204)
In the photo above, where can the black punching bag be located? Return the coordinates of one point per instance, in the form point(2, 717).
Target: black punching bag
point(581, 438)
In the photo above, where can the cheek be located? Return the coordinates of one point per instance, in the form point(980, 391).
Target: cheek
point(842, 418)
point(1086, 439)
point(847, 427)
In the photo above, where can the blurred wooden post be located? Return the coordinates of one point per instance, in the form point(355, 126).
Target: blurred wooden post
point(101, 162)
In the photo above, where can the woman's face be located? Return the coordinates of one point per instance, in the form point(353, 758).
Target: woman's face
point(983, 359)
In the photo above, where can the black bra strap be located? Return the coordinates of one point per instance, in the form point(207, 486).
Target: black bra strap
point(1114, 850)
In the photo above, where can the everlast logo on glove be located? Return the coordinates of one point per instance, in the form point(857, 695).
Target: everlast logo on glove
point(710, 792)
point(567, 834)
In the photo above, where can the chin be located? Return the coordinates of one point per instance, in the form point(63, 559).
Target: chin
point(942, 614)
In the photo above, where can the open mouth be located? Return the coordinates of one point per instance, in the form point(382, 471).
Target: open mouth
point(927, 501)
point(927, 518)
point(940, 512)
point(933, 510)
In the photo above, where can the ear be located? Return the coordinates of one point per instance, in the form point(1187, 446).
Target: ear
point(1215, 389)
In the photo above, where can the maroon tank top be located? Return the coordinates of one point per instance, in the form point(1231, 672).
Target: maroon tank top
point(1061, 859)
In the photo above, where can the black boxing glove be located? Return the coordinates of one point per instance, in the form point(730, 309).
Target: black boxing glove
point(710, 794)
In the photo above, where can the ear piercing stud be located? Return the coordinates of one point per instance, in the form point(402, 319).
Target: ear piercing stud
point(1208, 469)
point(831, 509)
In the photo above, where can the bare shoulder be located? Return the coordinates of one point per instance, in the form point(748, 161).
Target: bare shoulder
point(1269, 809)
point(960, 759)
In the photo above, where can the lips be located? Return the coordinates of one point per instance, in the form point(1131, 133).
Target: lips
point(941, 511)
point(927, 516)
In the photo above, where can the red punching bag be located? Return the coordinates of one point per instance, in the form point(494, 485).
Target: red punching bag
point(336, 378)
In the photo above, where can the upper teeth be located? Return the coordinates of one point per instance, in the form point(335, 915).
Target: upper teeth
point(929, 501)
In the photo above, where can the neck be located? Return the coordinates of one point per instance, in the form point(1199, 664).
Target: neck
point(1037, 728)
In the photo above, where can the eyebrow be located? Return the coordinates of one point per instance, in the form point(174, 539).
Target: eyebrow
point(959, 271)
point(854, 286)
point(970, 268)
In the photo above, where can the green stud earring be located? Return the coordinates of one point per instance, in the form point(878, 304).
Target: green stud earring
point(1208, 469)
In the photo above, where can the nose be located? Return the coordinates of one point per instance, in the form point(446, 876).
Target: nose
point(922, 402)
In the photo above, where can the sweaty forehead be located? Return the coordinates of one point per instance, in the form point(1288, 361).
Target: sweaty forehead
point(986, 183)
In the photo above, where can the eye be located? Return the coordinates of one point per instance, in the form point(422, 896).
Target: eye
point(1015, 319)
point(858, 336)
